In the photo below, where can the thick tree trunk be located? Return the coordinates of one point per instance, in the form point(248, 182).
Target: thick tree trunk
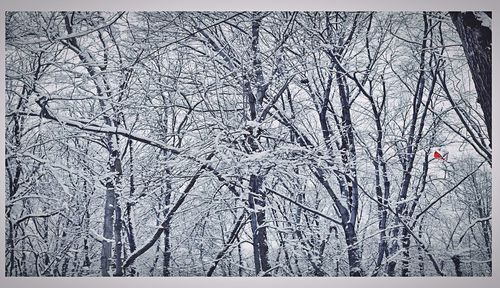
point(476, 42)
point(257, 205)
point(456, 263)
point(107, 229)
point(348, 150)
point(109, 211)
point(405, 262)
point(393, 248)
point(353, 251)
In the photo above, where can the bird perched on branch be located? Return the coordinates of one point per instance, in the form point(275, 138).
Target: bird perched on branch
point(441, 154)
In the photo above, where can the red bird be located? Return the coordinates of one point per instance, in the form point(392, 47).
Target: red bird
point(440, 154)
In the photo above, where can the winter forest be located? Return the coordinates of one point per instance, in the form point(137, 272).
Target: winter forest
point(248, 144)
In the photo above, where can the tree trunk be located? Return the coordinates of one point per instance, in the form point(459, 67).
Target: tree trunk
point(405, 262)
point(258, 217)
point(257, 197)
point(107, 229)
point(476, 42)
point(456, 263)
point(10, 249)
point(118, 237)
point(421, 263)
point(84, 270)
point(353, 251)
point(109, 210)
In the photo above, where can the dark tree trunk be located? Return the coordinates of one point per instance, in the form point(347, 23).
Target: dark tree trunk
point(353, 251)
point(476, 42)
point(118, 237)
point(109, 210)
point(10, 248)
point(405, 262)
point(258, 218)
point(421, 263)
point(257, 196)
point(110, 228)
point(166, 233)
point(84, 270)
point(456, 263)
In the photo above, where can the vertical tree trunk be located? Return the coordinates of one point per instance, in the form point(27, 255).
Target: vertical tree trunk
point(84, 270)
point(421, 252)
point(259, 231)
point(476, 42)
point(405, 262)
point(349, 159)
point(118, 237)
point(107, 229)
point(115, 168)
point(10, 248)
point(257, 197)
point(353, 251)
point(456, 263)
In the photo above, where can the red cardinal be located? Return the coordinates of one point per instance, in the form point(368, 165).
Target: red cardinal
point(440, 154)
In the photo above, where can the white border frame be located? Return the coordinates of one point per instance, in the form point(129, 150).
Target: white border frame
point(249, 5)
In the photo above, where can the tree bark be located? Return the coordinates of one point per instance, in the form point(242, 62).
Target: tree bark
point(405, 262)
point(109, 210)
point(456, 263)
point(257, 196)
point(476, 42)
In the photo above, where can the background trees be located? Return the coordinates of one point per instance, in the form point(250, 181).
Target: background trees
point(243, 144)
